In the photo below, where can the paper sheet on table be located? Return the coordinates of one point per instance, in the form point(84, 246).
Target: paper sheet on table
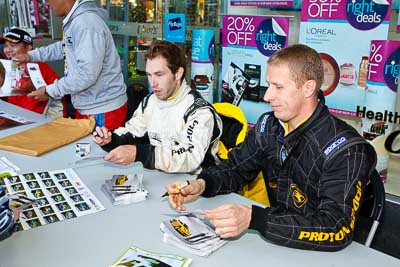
point(47, 137)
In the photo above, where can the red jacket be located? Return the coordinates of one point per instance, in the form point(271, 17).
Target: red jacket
point(49, 75)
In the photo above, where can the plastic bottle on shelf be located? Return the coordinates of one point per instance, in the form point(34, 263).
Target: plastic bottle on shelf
point(362, 72)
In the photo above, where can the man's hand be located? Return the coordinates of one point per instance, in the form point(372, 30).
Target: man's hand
point(102, 136)
point(190, 192)
point(39, 94)
point(22, 58)
point(124, 155)
point(229, 220)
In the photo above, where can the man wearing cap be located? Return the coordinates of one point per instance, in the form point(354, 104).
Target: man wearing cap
point(92, 67)
point(17, 42)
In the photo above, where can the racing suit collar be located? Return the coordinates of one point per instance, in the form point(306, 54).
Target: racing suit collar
point(319, 111)
point(180, 96)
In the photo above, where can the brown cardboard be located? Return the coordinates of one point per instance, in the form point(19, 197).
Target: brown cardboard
point(47, 137)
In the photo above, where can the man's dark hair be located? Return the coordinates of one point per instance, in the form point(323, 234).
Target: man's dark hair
point(303, 62)
point(172, 53)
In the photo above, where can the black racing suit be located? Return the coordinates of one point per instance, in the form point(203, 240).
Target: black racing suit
point(315, 177)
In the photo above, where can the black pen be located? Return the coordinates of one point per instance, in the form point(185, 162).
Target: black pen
point(96, 134)
point(182, 185)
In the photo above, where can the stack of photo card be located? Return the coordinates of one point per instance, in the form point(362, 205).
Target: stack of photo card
point(125, 189)
point(48, 197)
point(190, 233)
point(135, 256)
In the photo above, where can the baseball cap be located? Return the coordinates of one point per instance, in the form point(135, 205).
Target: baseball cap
point(16, 36)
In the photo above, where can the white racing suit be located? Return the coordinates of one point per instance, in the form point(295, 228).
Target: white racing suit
point(174, 135)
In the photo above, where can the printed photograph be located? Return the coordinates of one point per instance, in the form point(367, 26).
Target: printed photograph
point(68, 214)
point(58, 198)
point(65, 183)
point(29, 176)
point(51, 218)
point(82, 206)
point(77, 198)
point(48, 182)
point(44, 175)
point(29, 214)
point(18, 227)
point(34, 223)
point(47, 210)
point(71, 190)
point(33, 185)
point(63, 206)
point(18, 187)
point(53, 190)
point(14, 179)
point(42, 202)
point(60, 176)
point(38, 193)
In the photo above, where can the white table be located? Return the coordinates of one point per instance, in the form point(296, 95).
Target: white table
point(99, 239)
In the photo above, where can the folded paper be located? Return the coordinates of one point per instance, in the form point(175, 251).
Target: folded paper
point(47, 137)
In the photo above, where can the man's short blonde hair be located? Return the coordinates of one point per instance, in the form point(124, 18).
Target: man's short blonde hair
point(303, 62)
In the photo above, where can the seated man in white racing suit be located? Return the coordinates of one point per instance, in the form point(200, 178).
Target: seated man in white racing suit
point(174, 129)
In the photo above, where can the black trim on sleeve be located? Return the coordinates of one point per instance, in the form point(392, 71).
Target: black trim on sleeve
point(258, 218)
point(145, 154)
point(119, 140)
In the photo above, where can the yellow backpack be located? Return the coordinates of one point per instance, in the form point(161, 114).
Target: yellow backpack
point(233, 134)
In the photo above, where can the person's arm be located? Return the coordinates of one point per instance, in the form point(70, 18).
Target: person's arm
point(51, 52)
point(88, 50)
point(188, 150)
point(121, 144)
point(242, 166)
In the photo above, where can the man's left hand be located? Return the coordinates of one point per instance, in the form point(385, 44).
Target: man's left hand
point(229, 220)
point(124, 155)
point(39, 94)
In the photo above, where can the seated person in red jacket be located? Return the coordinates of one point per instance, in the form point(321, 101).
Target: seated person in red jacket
point(16, 42)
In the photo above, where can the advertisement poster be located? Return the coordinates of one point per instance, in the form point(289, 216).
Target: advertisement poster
point(341, 31)
point(398, 23)
point(174, 27)
point(261, 3)
point(247, 43)
point(202, 69)
point(379, 114)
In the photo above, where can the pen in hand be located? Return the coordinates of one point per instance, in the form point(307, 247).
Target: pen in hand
point(180, 186)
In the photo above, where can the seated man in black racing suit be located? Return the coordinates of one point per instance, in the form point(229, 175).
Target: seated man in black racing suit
point(315, 166)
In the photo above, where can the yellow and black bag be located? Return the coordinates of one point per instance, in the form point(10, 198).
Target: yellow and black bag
point(233, 133)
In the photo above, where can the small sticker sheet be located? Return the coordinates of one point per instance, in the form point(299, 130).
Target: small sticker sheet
point(55, 195)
